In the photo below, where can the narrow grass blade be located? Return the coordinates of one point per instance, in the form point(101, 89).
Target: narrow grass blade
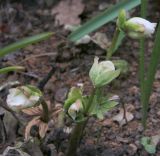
point(11, 68)
point(24, 42)
point(144, 4)
point(103, 18)
point(155, 59)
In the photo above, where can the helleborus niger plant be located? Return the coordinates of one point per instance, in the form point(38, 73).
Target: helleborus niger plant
point(80, 107)
point(29, 100)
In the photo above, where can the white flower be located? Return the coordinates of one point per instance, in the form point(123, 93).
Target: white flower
point(138, 27)
point(22, 97)
point(102, 73)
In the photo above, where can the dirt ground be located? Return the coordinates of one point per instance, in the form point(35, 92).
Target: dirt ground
point(73, 62)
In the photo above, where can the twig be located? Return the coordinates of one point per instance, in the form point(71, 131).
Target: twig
point(35, 56)
point(43, 82)
point(124, 112)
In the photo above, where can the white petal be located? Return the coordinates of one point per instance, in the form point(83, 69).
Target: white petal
point(76, 106)
point(73, 107)
point(17, 102)
point(107, 65)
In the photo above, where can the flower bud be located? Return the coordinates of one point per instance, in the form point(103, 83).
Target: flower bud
point(121, 19)
point(75, 108)
point(137, 27)
point(23, 97)
point(102, 73)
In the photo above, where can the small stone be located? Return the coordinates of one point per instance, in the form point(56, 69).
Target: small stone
point(138, 115)
point(123, 140)
point(107, 122)
point(66, 55)
point(140, 128)
point(103, 6)
point(158, 113)
point(108, 152)
point(134, 90)
point(61, 94)
point(134, 148)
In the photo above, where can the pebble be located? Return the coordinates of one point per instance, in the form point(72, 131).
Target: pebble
point(108, 152)
point(140, 128)
point(134, 148)
point(158, 113)
point(107, 122)
point(138, 115)
point(61, 94)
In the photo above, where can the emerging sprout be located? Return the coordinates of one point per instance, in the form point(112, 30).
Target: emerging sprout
point(23, 97)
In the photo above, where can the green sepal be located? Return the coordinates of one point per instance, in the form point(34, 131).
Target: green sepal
point(34, 90)
point(106, 77)
point(100, 109)
point(130, 26)
point(122, 65)
point(73, 95)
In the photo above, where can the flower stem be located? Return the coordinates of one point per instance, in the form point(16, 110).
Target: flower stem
point(90, 101)
point(75, 138)
point(78, 130)
point(45, 115)
point(113, 44)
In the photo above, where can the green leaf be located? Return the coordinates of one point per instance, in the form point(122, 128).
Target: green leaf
point(24, 42)
point(148, 145)
point(154, 61)
point(74, 94)
point(145, 140)
point(11, 68)
point(121, 36)
point(150, 149)
point(103, 18)
point(101, 109)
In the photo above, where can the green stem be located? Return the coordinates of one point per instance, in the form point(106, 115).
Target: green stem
point(142, 70)
point(75, 138)
point(113, 44)
point(90, 101)
point(78, 130)
point(45, 115)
